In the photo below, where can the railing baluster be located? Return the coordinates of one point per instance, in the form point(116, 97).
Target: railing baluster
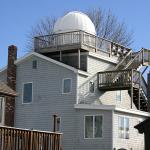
point(16, 139)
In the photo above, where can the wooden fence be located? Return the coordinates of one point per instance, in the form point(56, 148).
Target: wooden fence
point(22, 139)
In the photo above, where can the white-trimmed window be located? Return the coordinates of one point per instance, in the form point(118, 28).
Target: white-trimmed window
point(27, 93)
point(93, 126)
point(67, 85)
point(119, 95)
point(1, 109)
point(123, 127)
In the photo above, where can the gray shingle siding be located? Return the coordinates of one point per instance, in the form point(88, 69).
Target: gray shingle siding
point(136, 140)
point(104, 143)
point(47, 98)
point(95, 65)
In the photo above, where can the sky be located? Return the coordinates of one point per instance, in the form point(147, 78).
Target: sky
point(17, 17)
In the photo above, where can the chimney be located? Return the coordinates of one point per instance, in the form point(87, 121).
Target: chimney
point(11, 82)
point(148, 90)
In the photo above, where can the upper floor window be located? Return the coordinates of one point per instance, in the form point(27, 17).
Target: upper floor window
point(67, 83)
point(1, 108)
point(93, 126)
point(34, 64)
point(91, 87)
point(27, 93)
point(123, 125)
point(119, 95)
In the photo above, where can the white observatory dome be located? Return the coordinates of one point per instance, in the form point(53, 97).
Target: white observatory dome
point(74, 21)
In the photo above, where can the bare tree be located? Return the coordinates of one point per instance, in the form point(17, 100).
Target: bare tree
point(44, 27)
point(106, 24)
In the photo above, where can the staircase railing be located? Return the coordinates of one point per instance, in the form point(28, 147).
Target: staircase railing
point(144, 85)
point(136, 61)
point(124, 61)
point(84, 93)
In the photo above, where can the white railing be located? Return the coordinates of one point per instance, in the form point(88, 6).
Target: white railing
point(79, 37)
point(85, 96)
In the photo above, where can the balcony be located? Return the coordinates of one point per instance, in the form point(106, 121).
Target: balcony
point(118, 80)
point(78, 40)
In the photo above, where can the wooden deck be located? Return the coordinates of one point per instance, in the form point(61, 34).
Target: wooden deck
point(77, 40)
point(118, 80)
point(22, 139)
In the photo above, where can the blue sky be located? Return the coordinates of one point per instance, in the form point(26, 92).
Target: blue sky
point(17, 17)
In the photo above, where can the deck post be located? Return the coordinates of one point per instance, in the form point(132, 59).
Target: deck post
point(139, 91)
point(54, 117)
point(79, 57)
point(131, 89)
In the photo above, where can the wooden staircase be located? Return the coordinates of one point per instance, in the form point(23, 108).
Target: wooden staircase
point(133, 60)
point(126, 76)
point(142, 103)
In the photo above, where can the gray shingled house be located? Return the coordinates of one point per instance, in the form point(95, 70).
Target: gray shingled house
point(93, 85)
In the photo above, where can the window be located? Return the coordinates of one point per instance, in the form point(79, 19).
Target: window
point(91, 87)
point(123, 127)
point(27, 93)
point(58, 124)
point(34, 64)
point(93, 126)
point(67, 85)
point(1, 108)
point(119, 96)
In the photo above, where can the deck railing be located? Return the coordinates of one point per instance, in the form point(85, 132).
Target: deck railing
point(122, 79)
point(21, 139)
point(79, 37)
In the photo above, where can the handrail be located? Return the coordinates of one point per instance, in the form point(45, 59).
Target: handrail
point(122, 77)
point(144, 85)
point(139, 59)
point(83, 91)
point(74, 37)
point(115, 79)
point(123, 60)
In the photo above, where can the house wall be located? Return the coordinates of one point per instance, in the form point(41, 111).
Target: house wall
point(110, 97)
point(95, 65)
point(104, 143)
point(47, 99)
point(136, 140)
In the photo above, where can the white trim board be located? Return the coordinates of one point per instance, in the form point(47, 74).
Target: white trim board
point(93, 106)
point(111, 107)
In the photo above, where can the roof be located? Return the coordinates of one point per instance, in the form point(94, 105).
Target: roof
point(6, 90)
point(74, 21)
